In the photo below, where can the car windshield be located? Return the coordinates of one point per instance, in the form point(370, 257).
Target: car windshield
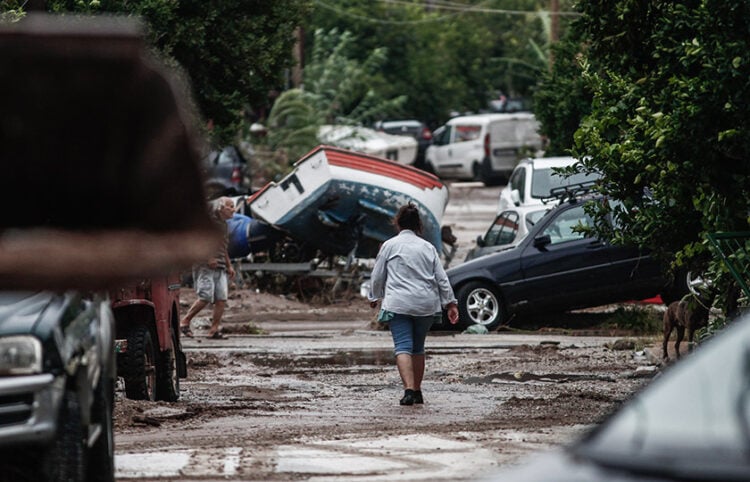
point(533, 217)
point(544, 180)
point(693, 424)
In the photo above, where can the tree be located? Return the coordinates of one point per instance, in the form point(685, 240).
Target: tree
point(337, 90)
point(235, 52)
point(448, 57)
point(668, 125)
point(563, 97)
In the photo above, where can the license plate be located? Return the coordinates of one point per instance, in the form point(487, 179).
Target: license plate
point(121, 346)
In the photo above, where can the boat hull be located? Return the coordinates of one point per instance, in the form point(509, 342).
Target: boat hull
point(343, 202)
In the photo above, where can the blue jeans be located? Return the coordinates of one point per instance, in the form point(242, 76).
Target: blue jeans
point(409, 332)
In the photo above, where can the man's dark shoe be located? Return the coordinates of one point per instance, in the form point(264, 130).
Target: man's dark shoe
point(418, 396)
point(408, 398)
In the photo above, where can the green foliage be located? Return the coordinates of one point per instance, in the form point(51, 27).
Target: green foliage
point(338, 90)
point(11, 11)
point(234, 52)
point(446, 60)
point(668, 123)
point(293, 124)
point(345, 90)
point(562, 97)
point(637, 319)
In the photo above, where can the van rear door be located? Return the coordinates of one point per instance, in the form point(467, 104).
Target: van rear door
point(510, 140)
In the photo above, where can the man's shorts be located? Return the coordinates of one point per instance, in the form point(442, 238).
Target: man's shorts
point(210, 284)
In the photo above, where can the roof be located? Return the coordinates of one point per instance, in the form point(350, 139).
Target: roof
point(548, 162)
point(482, 118)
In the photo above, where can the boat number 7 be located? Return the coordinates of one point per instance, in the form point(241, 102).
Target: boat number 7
point(292, 180)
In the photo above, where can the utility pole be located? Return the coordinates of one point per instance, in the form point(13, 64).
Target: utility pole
point(554, 28)
point(298, 53)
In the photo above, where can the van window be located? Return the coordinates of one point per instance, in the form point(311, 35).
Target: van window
point(467, 132)
point(516, 131)
point(442, 135)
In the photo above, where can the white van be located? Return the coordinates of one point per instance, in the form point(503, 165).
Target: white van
point(484, 147)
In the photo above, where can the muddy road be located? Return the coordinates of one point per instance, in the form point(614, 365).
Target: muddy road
point(302, 391)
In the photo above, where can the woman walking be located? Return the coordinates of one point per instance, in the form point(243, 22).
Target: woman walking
point(410, 280)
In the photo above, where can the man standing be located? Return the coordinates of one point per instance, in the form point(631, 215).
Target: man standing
point(211, 278)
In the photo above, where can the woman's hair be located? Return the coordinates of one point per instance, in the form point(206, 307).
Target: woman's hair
point(407, 217)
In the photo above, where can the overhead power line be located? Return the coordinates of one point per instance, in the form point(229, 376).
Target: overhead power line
point(476, 8)
point(453, 7)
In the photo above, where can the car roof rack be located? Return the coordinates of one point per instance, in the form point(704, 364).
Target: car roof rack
point(571, 192)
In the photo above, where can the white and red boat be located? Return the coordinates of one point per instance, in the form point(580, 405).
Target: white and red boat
point(343, 203)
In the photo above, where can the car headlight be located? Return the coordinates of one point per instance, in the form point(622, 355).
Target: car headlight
point(20, 355)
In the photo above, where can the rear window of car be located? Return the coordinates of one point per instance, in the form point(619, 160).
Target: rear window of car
point(467, 132)
point(545, 180)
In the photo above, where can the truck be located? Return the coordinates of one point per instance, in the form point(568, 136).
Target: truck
point(150, 359)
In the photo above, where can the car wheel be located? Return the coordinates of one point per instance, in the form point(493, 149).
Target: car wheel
point(64, 457)
point(479, 303)
point(101, 457)
point(139, 364)
point(697, 283)
point(476, 172)
point(486, 175)
point(167, 380)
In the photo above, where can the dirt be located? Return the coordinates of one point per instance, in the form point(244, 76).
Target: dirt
point(305, 387)
point(279, 379)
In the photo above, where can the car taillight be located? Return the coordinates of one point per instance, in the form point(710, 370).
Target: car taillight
point(426, 134)
point(487, 145)
point(236, 175)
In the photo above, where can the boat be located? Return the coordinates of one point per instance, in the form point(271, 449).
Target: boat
point(342, 202)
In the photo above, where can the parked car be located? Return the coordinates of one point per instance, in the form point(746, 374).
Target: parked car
point(556, 268)
point(226, 172)
point(413, 128)
point(507, 230)
point(57, 379)
point(534, 178)
point(690, 424)
point(483, 147)
point(402, 149)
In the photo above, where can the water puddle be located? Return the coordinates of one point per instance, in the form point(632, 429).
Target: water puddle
point(354, 358)
point(525, 377)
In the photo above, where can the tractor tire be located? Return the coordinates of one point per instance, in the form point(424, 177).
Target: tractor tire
point(167, 379)
point(139, 364)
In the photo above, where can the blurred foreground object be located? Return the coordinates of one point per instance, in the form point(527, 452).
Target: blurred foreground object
point(101, 180)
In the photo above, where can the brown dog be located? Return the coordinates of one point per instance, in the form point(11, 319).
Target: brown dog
point(690, 314)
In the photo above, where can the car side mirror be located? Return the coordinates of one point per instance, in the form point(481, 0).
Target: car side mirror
point(480, 242)
point(515, 196)
point(542, 241)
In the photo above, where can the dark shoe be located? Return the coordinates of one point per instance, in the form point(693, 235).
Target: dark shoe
point(185, 330)
point(408, 398)
point(418, 397)
point(217, 335)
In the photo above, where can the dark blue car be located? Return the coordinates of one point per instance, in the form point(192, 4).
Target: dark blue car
point(555, 268)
